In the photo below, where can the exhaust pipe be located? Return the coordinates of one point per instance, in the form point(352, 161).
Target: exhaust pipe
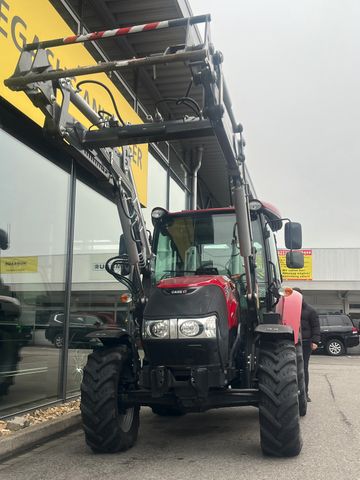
point(200, 151)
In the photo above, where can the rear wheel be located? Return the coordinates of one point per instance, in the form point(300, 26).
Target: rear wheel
point(335, 347)
point(109, 427)
point(165, 411)
point(279, 403)
point(301, 380)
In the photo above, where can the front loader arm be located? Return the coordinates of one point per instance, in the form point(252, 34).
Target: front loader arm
point(99, 147)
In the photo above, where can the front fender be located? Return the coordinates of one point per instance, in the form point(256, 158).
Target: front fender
point(289, 309)
point(110, 336)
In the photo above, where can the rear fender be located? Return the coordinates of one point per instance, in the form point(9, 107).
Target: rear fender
point(289, 309)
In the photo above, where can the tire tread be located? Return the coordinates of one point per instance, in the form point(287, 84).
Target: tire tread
point(279, 403)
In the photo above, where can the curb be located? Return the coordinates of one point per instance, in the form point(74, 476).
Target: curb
point(37, 434)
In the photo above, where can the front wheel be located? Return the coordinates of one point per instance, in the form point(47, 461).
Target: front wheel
point(335, 347)
point(109, 427)
point(278, 401)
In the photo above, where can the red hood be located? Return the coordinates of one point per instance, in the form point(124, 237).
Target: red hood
point(221, 281)
point(194, 281)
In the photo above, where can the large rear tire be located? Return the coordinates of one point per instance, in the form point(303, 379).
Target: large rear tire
point(108, 426)
point(301, 380)
point(279, 402)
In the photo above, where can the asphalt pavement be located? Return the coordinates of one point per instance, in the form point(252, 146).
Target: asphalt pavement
point(220, 444)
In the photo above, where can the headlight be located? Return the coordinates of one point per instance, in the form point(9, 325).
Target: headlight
point(157, 328)
point(190, 328)
point(204, 327)
point(182, 328)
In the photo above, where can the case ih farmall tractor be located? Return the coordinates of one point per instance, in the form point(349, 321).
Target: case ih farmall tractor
point(216, 328)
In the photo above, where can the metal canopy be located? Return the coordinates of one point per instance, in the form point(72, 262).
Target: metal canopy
point(152, 85)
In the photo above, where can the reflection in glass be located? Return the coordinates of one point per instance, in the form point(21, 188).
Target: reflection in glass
point(177, 197)
point(34, 200)
point(157, 188)
point(95, 295)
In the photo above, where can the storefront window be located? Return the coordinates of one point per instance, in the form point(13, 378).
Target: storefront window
point(177, 197)
point(95, 295)
point(33, 215)
point(157, 188)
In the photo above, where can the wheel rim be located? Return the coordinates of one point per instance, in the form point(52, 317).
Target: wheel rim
point(334, 348)
point(126, 419)
point(59, 341)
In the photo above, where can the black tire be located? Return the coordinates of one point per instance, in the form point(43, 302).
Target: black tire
point(335, 347)
point(108, 427)
point(301, 380)
point(278, 401)
point(58, 340)
point(165, 411)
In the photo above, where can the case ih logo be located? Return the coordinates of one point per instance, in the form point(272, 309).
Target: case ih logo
point(178, 291)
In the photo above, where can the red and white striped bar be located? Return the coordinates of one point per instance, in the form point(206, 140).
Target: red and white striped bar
point(118, 32)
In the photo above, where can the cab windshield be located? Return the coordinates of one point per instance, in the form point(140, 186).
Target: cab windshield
point(201, 244)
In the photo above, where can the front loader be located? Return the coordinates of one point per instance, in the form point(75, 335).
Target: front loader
point(215, 326)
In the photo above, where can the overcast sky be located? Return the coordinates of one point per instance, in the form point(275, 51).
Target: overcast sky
point(294, 77)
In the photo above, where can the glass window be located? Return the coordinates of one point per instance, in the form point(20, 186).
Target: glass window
point(259, 252)
point(34, 204)
point(177, 166)
point(95, 295)
point(323, 320)
point(157, 189)
point(335, 320)
point(346, 321)
point(177, 197)
point(198, 244)
point(274, 253)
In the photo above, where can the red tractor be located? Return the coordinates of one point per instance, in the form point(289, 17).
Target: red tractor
point(216, 328)
point(205, 344)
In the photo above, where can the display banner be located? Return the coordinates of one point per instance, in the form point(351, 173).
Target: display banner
point(296, 273)
point(18, 265)
point(29, 21)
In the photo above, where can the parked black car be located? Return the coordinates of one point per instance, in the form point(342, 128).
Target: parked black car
point(338, 333)
point(80, 325)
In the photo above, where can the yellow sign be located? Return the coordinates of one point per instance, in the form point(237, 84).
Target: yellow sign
point(296, 273)
point(18, 265)
point(23, 21)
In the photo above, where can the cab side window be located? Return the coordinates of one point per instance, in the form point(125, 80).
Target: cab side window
point(273, 253)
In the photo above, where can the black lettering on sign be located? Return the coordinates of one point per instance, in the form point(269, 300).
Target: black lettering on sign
point(17, 34)
point(3, 6)
point(139, 162)
point(134, 153)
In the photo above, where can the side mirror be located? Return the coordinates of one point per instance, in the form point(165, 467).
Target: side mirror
point(293, 236)
point(4, 240)
point(294, 259)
